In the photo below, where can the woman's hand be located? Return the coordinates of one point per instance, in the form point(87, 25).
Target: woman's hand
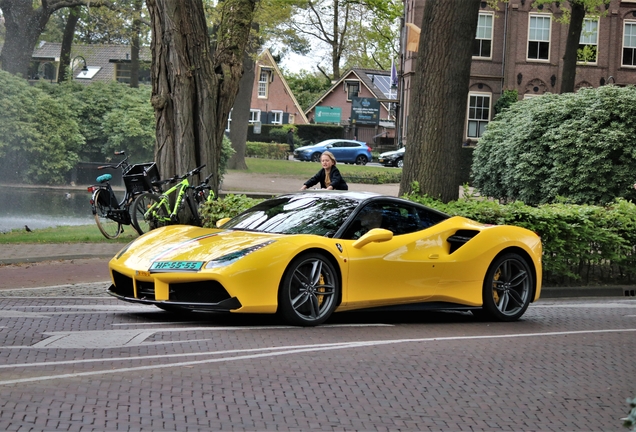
point(330, 188)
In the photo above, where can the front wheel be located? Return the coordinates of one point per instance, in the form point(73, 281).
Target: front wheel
point(309, 290)
point(508, 286)
point(148, 213)
point(315, 157)
point(400, 163)
point(361, 160)
point(108, 227)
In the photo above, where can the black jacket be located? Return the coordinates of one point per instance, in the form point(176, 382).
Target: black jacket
point(337, 182)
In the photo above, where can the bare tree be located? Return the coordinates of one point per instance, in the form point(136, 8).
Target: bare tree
point(438, 99)
point(195, 84)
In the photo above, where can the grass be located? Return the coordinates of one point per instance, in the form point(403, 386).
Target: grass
point(65, 234)
point(302, 169)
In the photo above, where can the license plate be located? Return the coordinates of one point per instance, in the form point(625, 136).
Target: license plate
point(166, 266)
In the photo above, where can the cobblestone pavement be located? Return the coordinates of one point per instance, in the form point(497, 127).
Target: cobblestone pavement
point(78, 361)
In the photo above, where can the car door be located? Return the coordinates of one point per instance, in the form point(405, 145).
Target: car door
point(404, 269)
point(339, 151)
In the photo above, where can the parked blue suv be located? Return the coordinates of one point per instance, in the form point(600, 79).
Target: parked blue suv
point(347, 151)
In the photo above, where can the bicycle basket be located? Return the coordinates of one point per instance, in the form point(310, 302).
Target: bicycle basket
point(139, 177)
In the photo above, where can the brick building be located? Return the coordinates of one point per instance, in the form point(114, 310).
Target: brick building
point(520, 46)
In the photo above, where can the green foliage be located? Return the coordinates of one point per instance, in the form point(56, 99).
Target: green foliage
point(307, 87)
point(507, 98)
point(630, 421)
point(582, 244)
point(386, 176)
point(577, 146)
point(266, 150)
point(229, 206)
point(39, 137)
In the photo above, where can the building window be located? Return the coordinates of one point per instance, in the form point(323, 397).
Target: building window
point(539, 38)
point(629, 44)
point(277, 117)
point(122, 72)
point(478, 114)
point(353, 89)
point(263, 83)
point(483, 39)
point(588, 45)
point(255, 116)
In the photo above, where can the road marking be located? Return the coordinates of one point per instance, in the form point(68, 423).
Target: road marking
point(296, 350)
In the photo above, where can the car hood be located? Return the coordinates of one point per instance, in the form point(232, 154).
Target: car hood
point(186, 243)
point(311, 147)
point(391, 153)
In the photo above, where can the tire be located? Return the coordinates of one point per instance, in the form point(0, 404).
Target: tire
point(399, 163)
point(315, 157)
point(309, 291)
point(508, 287)
point(192, 215)
point(108, 227)
point(141, 205)
point(361, 160)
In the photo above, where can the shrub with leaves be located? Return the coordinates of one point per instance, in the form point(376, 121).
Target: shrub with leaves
point(230, 206)
point(582, 244)
point(573, 146)
point(630, 421)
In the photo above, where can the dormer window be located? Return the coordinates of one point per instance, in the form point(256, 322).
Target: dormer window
point(352, 88)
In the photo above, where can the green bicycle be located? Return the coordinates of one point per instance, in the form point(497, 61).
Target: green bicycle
point(152, 211)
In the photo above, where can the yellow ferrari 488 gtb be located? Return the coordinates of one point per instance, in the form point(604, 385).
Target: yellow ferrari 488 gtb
point(306, 255)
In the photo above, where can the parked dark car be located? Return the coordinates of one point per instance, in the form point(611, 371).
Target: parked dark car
point(393, 158)
point(347, 151)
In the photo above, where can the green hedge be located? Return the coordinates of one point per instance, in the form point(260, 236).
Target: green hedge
point(582, 244)
point(266, 150)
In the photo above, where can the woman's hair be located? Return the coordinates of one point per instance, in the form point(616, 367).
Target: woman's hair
point(329, 155)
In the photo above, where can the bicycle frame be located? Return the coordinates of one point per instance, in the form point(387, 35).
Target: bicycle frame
point(164, 201)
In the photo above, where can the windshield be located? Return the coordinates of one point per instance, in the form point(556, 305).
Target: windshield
point(298, 214)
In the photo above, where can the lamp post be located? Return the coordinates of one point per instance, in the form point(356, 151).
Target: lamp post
point(84, 67)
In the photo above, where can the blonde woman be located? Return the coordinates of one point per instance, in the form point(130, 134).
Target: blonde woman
point(329, 176)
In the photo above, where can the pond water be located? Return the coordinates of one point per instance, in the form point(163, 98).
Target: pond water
point(43, 207)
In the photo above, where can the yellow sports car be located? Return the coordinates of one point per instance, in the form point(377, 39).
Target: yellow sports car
point(306, 255)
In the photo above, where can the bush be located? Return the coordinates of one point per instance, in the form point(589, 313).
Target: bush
point(230, 206)
point(266, 150)
point(573, 146)
point(389, 176)
point(582, 244)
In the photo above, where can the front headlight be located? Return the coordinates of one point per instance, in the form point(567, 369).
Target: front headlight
point(235, 256)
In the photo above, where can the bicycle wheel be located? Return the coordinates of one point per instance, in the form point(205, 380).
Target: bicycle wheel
point(108, 227)
point(144, 218)
point(193, 216)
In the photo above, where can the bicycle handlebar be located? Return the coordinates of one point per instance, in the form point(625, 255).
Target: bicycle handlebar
point(122, 162)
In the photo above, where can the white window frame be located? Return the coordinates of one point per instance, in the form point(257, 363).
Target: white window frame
point(475, 114)
point(255, 116)
point(278, 117)
point(589, 37)
point(351, 83)
point(485, 32)
point(536, 35)
point(629, 42)
point(263, 83)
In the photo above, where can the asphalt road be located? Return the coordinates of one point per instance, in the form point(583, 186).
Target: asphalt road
point(74, 359)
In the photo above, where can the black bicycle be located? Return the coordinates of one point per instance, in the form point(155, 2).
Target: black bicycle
point(111, 214)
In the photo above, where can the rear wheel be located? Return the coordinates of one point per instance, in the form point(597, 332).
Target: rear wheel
point(144, 220)
point(507, 288)
point(361, 160)
point(400, 163)
point(309, 290)
point(108, 227)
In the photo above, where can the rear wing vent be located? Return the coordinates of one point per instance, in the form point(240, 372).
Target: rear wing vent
point(460, 238)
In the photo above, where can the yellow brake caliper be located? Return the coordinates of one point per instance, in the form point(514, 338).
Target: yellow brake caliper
point(321, 289)
point(495, 294)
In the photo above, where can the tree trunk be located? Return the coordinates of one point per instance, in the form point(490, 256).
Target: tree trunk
point(439, 99)
point(241, 113)
point(194, 90)
point(67, 44)
point(134, 44)
point(24, 25)
point(568, 76)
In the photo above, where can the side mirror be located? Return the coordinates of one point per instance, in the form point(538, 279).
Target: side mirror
point(329, 146)
point(221, 222)
point(375, 235)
